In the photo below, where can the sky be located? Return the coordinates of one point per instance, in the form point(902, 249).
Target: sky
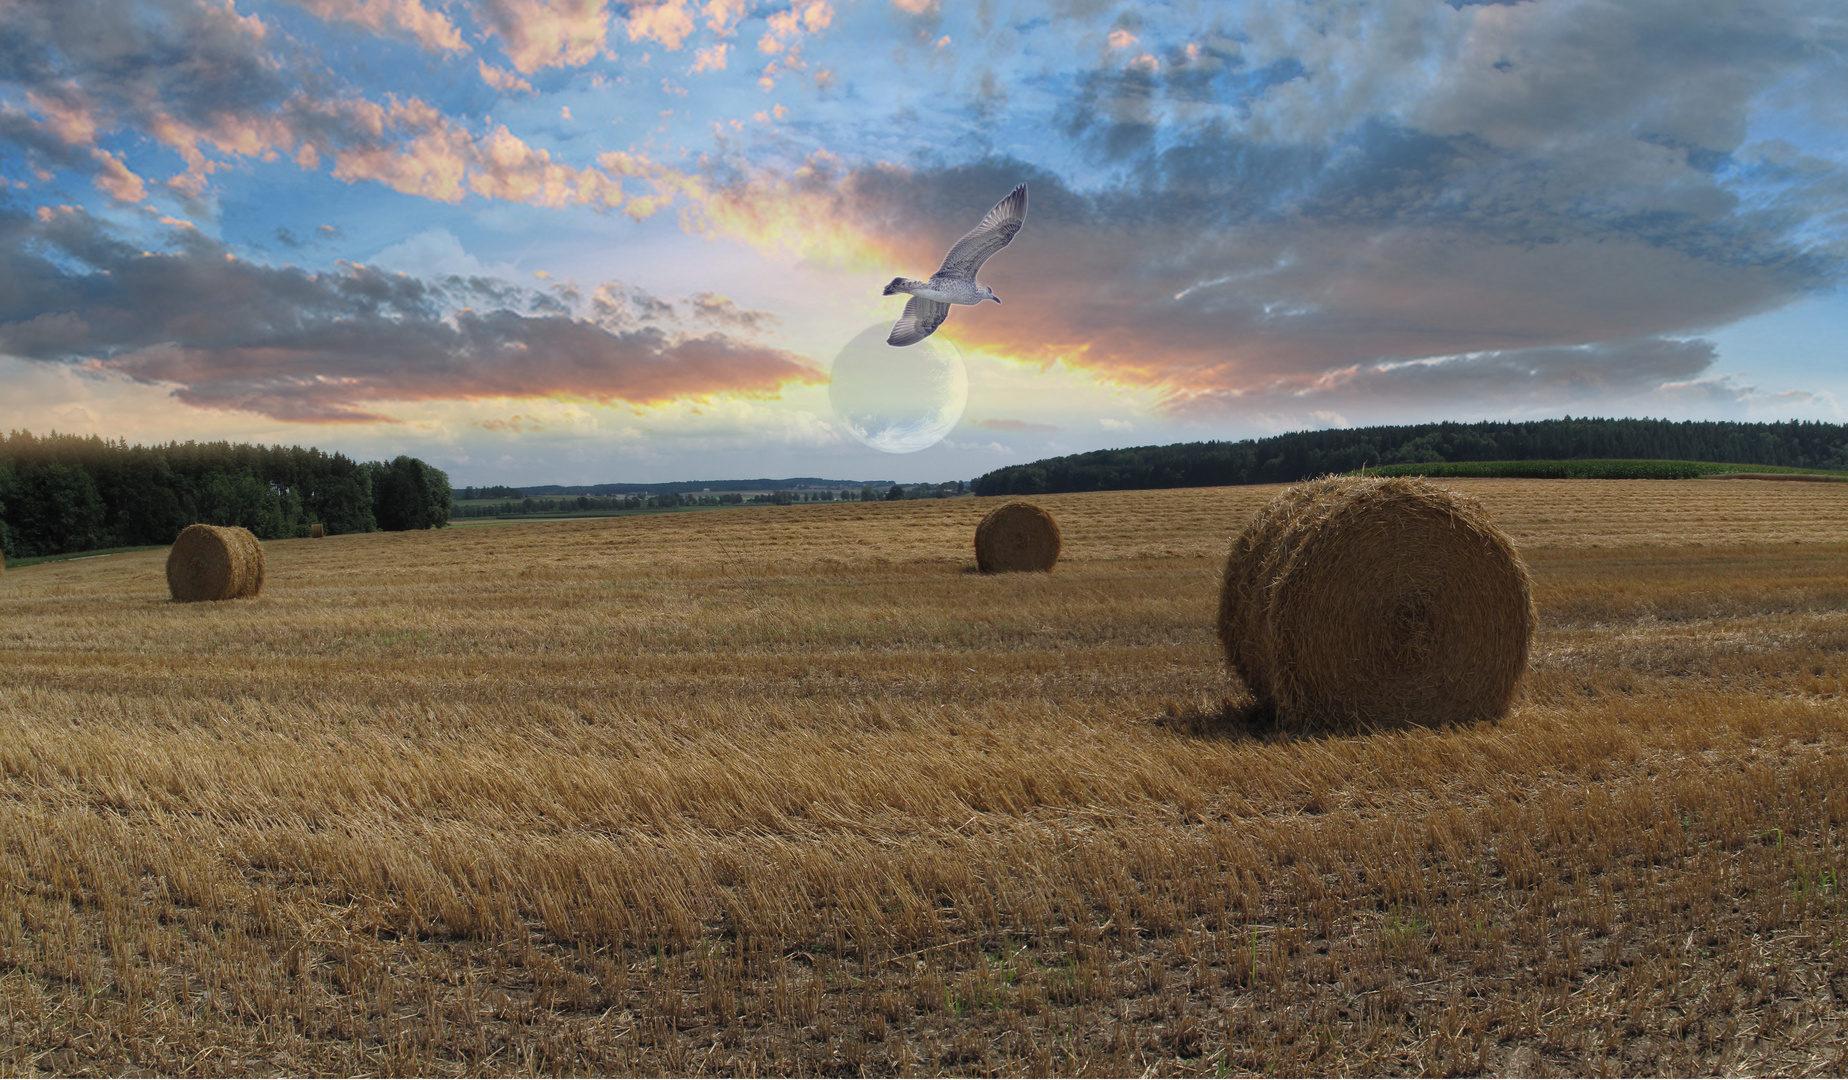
point(582, 241)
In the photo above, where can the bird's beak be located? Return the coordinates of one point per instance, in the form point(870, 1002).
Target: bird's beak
point(996, 299)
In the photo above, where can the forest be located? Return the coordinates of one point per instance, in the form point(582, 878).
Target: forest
point(1299, 455)
point(68, 493)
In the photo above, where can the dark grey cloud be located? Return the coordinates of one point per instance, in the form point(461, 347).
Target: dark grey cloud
point(1573, 187)
point(1501, 379)
point(136, 63)
point(1148, 283)
point(295, 345)
point(23, 137)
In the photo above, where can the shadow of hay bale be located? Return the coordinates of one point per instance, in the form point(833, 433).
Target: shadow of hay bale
point(1240, 719)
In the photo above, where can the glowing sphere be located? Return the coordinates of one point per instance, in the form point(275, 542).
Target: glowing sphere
point(898, 400)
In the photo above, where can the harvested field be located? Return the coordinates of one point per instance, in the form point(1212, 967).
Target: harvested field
point(796, 790)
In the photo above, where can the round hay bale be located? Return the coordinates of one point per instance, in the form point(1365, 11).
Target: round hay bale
point(211, 562)
point(1364, 603)
point(316, 532)
point(1016, 536)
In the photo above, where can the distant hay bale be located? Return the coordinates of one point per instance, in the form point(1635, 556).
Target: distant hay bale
point(1364, 603)
point(1016, 536)
point(210, 562)
point(315, 531)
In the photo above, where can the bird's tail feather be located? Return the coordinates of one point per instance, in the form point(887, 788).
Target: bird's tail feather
point(899, 284)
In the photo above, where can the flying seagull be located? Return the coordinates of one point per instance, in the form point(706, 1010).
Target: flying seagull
point(954, 281)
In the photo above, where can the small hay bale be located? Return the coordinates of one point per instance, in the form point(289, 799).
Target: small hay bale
point(211, 562)
point(315, 531)
point(1364, 603)
point(1016, 536)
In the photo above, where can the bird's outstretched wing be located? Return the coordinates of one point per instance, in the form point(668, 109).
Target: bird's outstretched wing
point(987, 238)
point(920, 320)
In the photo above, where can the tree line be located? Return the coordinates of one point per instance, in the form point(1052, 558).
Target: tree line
point(1281, 459)
point(66, 493)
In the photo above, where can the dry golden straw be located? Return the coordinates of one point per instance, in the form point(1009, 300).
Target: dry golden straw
point(211, 562)
point(316, 532)
point(1017, 536)
point(1376, 602)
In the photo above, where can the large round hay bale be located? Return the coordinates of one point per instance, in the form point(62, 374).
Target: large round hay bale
point(212, 562)
point(1363, 603)
point(1016, 536)
point(316, 532)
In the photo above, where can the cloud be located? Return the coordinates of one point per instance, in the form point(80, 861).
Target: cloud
point(504, 81)
point(547, 33)
point(709, 59)
point(669, 22)
point(722, 311)
point(292, 345)
point(1019, 426)
point(723, 16)
point(204, 82)
point(1229, 268)
point(184, 73)
point(69, 116)
point(398, 18)
point(783, 39)
point(1603, 371)
point(115, 180)
point(213, 87)
point(1283, 199)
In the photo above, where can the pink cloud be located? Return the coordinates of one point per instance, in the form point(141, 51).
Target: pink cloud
point(548, 33)
point(508, 169)
point(67, 114)
point(668, 22)
point(115, 180)
point(407, 18)
point(723, 16)
point(504, 81)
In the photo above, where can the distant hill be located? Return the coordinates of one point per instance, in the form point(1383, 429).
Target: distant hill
point(1300, 455)
point(676, 487)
